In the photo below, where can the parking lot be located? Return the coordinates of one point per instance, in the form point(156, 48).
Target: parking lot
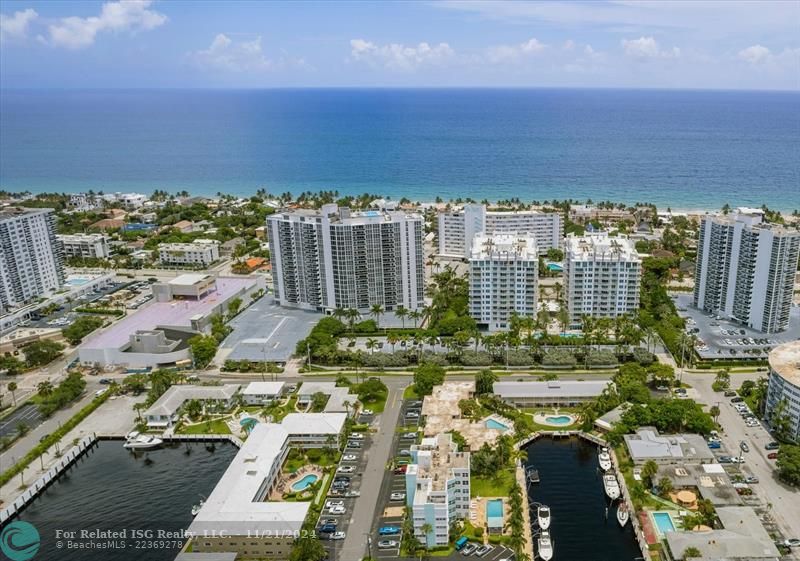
point(345, 488)
point(267, 332)
point(722, 339)
point(393, 494)
point(27, 415)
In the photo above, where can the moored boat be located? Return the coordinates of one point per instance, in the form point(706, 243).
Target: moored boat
point(611, 486)
point(543, 515)
point(545, 546)
point(604, 459)
point(136, 441)
point(622, 514)
point(196, 508)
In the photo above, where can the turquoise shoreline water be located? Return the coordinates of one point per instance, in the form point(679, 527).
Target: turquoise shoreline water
point(684, 149)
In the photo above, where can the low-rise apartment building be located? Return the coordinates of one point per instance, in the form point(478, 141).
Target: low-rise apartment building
point(165, 412)
point(200, 253)
point(85, 245)
point(263, 393)
point(555, 393)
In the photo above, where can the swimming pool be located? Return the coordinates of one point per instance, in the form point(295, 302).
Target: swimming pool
point(494, 513)
point(76, 281)
point(559, 419)
point(248, 423)
point(492, 424)
point(305, 483)
point(555, 267)
point(663, 522)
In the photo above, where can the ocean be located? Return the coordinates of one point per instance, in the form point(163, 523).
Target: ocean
point(683, 149)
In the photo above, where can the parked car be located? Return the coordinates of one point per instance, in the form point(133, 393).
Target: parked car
point(338, 535)
point(353, 444)
point(792, 542)
point(367, 412)
point(337, 510)
point(772, 445)
point(398, 497)
point(751, 479)
point(405, 452)
point(327, 521)
point(469, 549)
point(388, 531)
point(387, 544)
point(330, 504)
point(349, 458)
point(105, 381)
point(346, 469)
point(714, 445)
point(743, 445)
point(409, 435)
point(483, 550)
point(772, 456)
point(725, 460)
point(356, 436)
point(327, 529)
point(737, 400)
point(729, 393)
point(412, 415)
point(353, 494)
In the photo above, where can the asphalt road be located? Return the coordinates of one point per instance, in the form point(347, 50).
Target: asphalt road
point(785, 500)
point(25, 414)
point(365, 511)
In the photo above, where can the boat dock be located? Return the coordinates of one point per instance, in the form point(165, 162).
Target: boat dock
point(235, 440)
point(47, 479)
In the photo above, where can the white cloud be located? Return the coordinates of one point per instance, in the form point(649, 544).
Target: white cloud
point(400, 57)
point(233, 56)
point(507, 53)
point(126, 15)
point(16, 26)
point(645, 48)
point(755, 54)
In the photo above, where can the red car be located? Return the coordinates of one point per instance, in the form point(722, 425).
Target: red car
point(400, 470)
point(772, 455)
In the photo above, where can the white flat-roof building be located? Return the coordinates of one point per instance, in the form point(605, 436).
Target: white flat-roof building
point(340, 400)
point(166, 410)
point(437, 487)
point(559, 393)
point(263, 393)
point(784, 385)
point(337, 258)
point(85, 245)
point(745, 269)
point(128, 200)
point(458, 227)
point(31, 259)
point(602, 276)
point(199, 252)
point(503, 274)
point(314, 430)
point(647, 444)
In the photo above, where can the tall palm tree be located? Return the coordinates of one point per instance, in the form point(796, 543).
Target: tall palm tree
point(12, 387)
point(377, 311)
point(371, 344)
point(352, 315)
point(426, 529)
point(415, 315)
point(339, 313)
point(402, 313)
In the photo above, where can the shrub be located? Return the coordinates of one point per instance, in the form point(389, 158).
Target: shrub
point(643, 356)
point(559, 357)
point(520, 358)
point(600, 357)
point(314, 454)
point(472, 358)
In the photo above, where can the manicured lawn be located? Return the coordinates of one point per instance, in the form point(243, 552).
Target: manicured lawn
point(498, 486)
point(217, 426)
point(410, 393)
point(376, 405)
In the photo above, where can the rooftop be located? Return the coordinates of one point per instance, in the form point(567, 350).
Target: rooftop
point(504, 246)
point(557, 388)
point(648, 444)
point(237, 505)
point(313, 423)
point(167, 314)
point(784, 360)
point(310, 388)
point(172, 399)
point(743, 537)
point(264, 388)
point(16, 211)
point(600, 246)
point(190, 279)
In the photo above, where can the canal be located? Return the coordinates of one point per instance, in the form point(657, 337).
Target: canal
point(110, 489)
point(571, 485)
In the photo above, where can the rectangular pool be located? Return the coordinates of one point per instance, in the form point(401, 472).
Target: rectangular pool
point(494, 513)
point(663, 522)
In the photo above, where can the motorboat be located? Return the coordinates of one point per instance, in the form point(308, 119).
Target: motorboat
point(142, 442)
point(196, 508)
point(543, 515)
point(545, 546)
point(604, 458)
point(612, 486)
point(622, 514)
point(533, 475)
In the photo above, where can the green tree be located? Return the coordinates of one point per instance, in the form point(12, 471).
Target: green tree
point(193, 409)
point(402, 313)
point(691, 552)
point(714, 412)
point(484, 381)
point(781, 421)
point(40, 353)
point(12, 387)
point(665, 486)
point(11, 365)
point(80, 328)
point(376, 310)
point(649, 471)
point(318, 401)
point(203, 349)
point(426, 376)
point(307, 548)
point(789, 464)
point(45, 388)
point(233, 306)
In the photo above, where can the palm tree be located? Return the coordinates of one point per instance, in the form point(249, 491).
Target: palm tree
point(12, 387)
point(402, 313)
point(415, 315)
point(426, 529)
point(45, 388)
point(339, 313)
point(563, 317)
point(714, 412)
point(352, 315)
point(392, 339)
point(371, 344)
point(376, 310)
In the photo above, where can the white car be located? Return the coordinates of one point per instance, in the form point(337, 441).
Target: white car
point(398, 497)
point(336, 510)
point(366, 411)
point(356, 436)
point(331, 504)
point(387, 544)
point(346, 469)
point(349, 458)
point(338, 536)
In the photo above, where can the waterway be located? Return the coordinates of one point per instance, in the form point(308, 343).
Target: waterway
point(572, 487)
point(111, 489)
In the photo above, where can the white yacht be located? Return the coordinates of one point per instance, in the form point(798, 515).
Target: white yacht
point(136, 441)
point(622, 514)
point(604, 459)
point(545, 546)
point(612, 486)
point(543, 515)
point(196, 508)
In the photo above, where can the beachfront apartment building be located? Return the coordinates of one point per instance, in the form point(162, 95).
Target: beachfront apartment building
point(458, 227)
point(746, 269)
point(602, 276)
point(503, 275)
point(199, 253)
point(338, 258)
point(437, 487)
point(31, 259)
point(783, 391)
point(85, 245)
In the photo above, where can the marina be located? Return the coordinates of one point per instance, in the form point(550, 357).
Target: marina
point(581, 516)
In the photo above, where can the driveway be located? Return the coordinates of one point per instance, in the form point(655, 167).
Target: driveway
point(785, 500)
point(364, 513)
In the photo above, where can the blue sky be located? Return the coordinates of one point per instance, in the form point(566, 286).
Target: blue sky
point(139, 43)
